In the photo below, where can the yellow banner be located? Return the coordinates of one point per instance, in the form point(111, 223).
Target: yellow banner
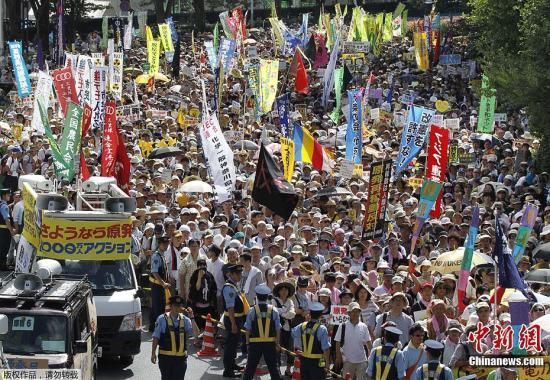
point(153, 55)
point(358, 170)
point(66, 239)
point(279, 41)
point(421, 50)
point(148, 34)
point(166, 37)
point(287, 155)
point(269, 78)
point(31, 232)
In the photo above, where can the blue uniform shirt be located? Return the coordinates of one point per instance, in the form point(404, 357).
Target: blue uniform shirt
point(252, 314)
point(398, 362)
point(160, 325)
point(419, 373)
point(156, 262)
point(4, 211)
point(229, 295)
point(321, 335)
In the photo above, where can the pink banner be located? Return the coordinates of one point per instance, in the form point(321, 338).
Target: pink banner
point(110, 141)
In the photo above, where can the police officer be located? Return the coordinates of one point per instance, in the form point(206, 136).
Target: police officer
point(263, 326)
point(159, 281)
point(170, 336)
point(387, 362)
point(313, 337)
point(433, 370)
point(6, 228)
point(233, 318)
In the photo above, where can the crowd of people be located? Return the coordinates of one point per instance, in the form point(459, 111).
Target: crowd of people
point(223, 258)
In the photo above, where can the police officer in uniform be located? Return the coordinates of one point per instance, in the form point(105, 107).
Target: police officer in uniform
point(6, 228)
point(433, 370)
point(159, 281)
point(233, 319)
point(263, 326)
point(170, 336)
point(313, 337)
point(387, 362)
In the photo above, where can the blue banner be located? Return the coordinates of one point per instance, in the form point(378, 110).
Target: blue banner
point(211, 53)
point(227, 50)
point(22, 80)
point(303, 29)
point(450, 59)
point(173, 31)
point(414, 136)
point(354, 134)
point(282, 109)
point(291, 41)
point(216, 86)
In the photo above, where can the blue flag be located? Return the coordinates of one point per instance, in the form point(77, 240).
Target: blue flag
point(22, 79)
point(508, 274)
point(354, 134)
point(282, 109)
point(413, 136)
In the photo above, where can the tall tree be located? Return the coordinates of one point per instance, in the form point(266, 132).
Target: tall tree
point(200, 22)
point(161, 10)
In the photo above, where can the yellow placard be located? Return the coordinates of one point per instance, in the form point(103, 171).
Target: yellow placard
point(287, 155)
point(153, 55)
point(535, 373)
point(416, 182)
point(269, 78)
point(31, 232)
point(166, 37)
point(358, 170)
point(442, 105)
point(65, 239)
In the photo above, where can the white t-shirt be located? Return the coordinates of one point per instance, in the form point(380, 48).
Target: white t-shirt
point(356, 337)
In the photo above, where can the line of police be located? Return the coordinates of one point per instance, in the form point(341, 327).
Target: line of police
point(262, 324)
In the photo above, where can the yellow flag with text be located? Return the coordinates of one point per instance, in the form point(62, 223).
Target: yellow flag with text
point(166, 37)
point(421, 50)
point(153, 55)
point(269, 78)
point(277, 34)
point(287, 156)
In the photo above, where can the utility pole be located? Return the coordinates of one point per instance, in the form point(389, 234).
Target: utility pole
point(2, 41)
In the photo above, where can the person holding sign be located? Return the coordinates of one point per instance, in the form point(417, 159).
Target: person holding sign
point(351, 340)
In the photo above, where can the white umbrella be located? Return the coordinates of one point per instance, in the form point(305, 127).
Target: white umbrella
point(176, 88)
point(541, 298)
point(249, 41)
point(544, 323)
point(195, 187)
point(451, 261)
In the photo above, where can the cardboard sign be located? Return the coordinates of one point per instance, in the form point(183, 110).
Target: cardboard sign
point(166, 176)
point(375, 113)
point(437, 120)
point(501, 118)
point(346, 169)
point(233, 136)
point(452, 124)
point(339, 314)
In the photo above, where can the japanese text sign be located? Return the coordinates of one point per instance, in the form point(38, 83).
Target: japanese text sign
point(339, 314)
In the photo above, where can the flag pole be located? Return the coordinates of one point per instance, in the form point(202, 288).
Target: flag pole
point(495, 258)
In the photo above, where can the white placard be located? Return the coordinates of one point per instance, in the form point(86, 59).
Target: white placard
point(166, 176)
point(420, 315)
point(437, 120)
point(452, 124)
point(339, 314)
point(375, 113)
point(501, 118)
point(24, 256)
point(346, 169)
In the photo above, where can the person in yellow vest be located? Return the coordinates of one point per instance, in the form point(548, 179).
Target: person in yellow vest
point(263, 327)
point(235, 308)
point(433, 369)
point(170, 336)
point(386, 362)
point(313, 339)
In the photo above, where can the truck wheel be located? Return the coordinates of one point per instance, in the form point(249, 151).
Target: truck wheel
point(126, 360)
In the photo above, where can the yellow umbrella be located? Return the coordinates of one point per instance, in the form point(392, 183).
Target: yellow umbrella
point(144, 78)
point(451, 261)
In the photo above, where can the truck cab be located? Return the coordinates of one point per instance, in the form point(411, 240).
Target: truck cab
point(51, 323)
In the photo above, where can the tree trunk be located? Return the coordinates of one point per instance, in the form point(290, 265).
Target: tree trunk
point(163, 12)
point(198, 5)
point(13, 13)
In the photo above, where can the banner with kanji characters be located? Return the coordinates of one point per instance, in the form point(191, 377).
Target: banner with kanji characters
point(421, 50)
point(42, 94)
point(269, 77)
point(413, 136)
point(524, 231)
point(166, 37)
point(288, 157)
point(436, 166)
point(22, 79)
point(354, 134)
point(373, 223)
point(69, 145)
point(110, 141)
point(65, 239)
point(31, 232)
point(99, 96)
point(63, 81)
point(116, 65)
point(153, 56)
point(282, 110)
point(83, 80)
point(487, 104)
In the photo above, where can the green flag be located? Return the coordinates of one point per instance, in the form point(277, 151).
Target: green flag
point(70, 140)
point(338, 83)
point(216, 37)
point(400, 8)
point(61, 168)
point(104, 32)
point(486, 117)
point(404, 22)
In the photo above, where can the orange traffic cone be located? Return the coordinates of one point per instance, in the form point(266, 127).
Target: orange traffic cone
point(208, 344)
point(296, 369)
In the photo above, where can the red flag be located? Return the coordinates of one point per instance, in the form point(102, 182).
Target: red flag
point(122, 167)
point(63, 82)
point(300, 84)
point(109, 150)
point(436, 167)
point(84, 172)
point(86, 121)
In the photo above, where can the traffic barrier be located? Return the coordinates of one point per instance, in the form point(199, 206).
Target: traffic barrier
point(208, 344)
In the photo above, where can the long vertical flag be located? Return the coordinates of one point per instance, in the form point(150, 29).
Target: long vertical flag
point(377, 196)
point(420, 40)
point(301, 82)
point(42, 94)
point(354, 144)
point(338, 86)
point(282, 110)
point(110, 141)
point(487, 103)
point(22, 79)
point(308, 150)
point(413, 135)
point(524, 231)
point(464, 274)
point(328, 79)
point(287, 157)
point(70, 139)
point(59, 163)
point(63, 81)
point(436, 167)
point(428, 195)
point(269, 78)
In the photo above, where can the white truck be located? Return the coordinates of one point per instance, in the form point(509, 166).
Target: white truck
point(91, 235)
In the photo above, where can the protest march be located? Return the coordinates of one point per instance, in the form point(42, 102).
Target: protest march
point(336, 194)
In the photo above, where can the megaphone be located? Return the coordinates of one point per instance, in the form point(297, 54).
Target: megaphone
point(51, 202)
point(116, 204)
point(46, 268)
point(27, 282)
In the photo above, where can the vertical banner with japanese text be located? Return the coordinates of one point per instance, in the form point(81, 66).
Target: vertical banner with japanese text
point(116, 65)
point(63, 82)
point(70, 140)
point(282, 110)
point(83, 81)
point(413, 135)
point(524, 231)
point(42, 94)
point(436, 167)
point(421, 50)
point(354, 144)
point(288, 157)
point(22, 79)
point(373, 222)
point(153, 55)
point(99, 96)
point(269, 78)
point(487, 104)
point(110, 141)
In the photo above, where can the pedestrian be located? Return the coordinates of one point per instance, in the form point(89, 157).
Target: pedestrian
point(386, 362)
point(282, 293)
point(312, 337)
point(170, 335)
point(6, 228)
point(233, 318)
point(263, 329)
point(433, 369)
point(159, 280)
point(352, 342)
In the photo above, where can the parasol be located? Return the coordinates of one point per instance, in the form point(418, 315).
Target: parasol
point(195, 187)
point(541, 276)
point(144, 78)
point(451, 261)
point(168, 151)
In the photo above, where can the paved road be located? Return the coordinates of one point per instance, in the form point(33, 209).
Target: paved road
point(143, 369)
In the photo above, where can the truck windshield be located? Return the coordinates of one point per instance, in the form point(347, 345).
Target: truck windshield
point(35, 334)
point(105, 275)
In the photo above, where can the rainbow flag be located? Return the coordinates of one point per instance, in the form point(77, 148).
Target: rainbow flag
point(308, 150)
point(464, 274)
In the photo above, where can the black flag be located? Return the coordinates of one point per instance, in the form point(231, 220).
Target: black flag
point(311, 49)
point(348, 77)
point(270, 187)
